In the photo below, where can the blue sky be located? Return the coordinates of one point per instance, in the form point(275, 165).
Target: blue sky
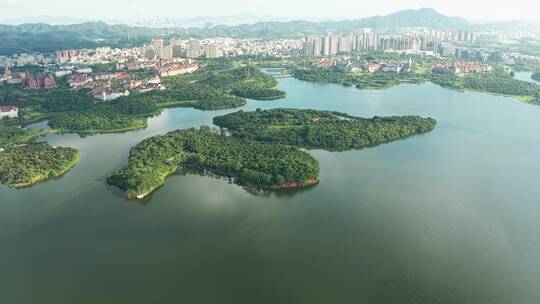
point(136, 9)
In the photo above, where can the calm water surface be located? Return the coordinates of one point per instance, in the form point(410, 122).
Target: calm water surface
point(452, 216)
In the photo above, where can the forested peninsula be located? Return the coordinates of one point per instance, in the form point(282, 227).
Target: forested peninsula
point(24, 163)
point(250, 163)
point(523, 91)
point(321, 129)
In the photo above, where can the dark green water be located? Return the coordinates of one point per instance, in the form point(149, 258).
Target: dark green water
point(452, 216)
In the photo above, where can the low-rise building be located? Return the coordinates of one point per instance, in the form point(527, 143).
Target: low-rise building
point(175, 69)
point(9, 112)
point(107, 94)
point(78, 82)
point(372, 67)
point(391, 68)
point(325, 63)
point(83, 70)
point(462, 67)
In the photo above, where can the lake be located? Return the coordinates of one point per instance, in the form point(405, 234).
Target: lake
point(451, 216)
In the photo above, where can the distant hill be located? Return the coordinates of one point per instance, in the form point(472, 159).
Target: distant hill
point(424, 17)
point(40, 37)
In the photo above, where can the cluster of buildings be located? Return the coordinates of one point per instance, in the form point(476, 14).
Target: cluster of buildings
point(369, 67)
point(368, 41)
point(111, 85)
point(180, 49)
point(220, 47)
point(462, 68)
point(37, 81)
point(41, 80)
point(103, 85)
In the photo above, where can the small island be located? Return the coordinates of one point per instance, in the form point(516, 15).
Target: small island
point(321, 129)
point(250, 163)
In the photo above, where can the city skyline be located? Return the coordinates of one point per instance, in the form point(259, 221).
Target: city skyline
point(124, 10)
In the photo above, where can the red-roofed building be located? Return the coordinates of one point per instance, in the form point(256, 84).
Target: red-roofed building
point(38, 81)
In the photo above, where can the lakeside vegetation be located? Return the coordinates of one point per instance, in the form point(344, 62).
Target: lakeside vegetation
point(249, 162)
point(247, 82)
point(23, 166)
point(219, 103)
point(492, 83)
point(13, 135)
point(321, 129)
point(373, 81)
point(501, 81)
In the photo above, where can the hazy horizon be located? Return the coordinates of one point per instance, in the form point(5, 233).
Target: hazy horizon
point(125, 10)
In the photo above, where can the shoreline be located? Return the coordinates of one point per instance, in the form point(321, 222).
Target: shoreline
point(292, 185)
point(521, 98)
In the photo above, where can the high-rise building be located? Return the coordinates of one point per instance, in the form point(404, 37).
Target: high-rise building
point(317, 46)
point(167, 52)
point(177, 51)
point(211, 51)
point(194, 49)
point(326, 45)
point(333, 43)
point(149, 53)
point(308, 48)
point(157, 43)
point(344, 44)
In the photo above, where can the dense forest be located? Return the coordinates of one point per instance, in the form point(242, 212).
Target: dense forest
point(56, 100)
point(26, 165)
point(249, 162)
point(118, 115)
point(12, 135)
point(246, 82)
point(501, 85)
point(220, 102)
point(321, 129)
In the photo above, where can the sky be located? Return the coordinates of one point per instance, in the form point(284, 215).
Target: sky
point(476, 10)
